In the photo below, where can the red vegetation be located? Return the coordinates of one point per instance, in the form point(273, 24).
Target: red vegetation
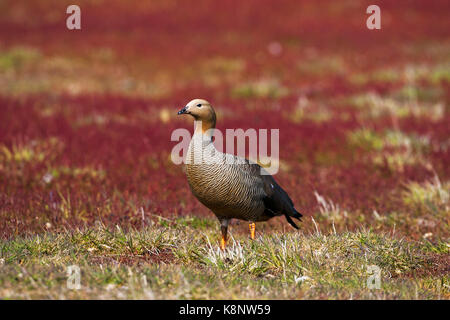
point(122, 148)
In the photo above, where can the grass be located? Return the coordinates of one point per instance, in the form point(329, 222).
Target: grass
point(183, 261)
point(403, 103)
point(431, 196)
point(264, 88)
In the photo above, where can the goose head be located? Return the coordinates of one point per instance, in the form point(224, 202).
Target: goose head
point(202, 112)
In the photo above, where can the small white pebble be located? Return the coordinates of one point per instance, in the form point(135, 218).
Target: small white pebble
point(110, 287)
point(427, 235)
point(47, 178)
point(301, 279)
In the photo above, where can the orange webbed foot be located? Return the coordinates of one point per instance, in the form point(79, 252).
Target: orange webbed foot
point(252, 228)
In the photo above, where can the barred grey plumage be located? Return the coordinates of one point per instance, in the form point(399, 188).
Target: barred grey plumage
point(230, 186)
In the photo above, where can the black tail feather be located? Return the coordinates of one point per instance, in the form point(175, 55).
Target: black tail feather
point(295, 214)
point(292, 223)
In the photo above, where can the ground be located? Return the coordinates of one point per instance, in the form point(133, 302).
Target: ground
point(86, 176)
point(180, 259)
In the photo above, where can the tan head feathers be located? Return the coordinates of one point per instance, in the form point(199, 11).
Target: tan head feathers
point(202, 111)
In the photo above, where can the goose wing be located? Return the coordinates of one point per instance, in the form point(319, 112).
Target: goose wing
point(276, 200)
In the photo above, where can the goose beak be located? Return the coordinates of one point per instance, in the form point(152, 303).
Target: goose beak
point(183, 111)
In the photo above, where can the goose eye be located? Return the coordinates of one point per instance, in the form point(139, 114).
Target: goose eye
point(199, 105)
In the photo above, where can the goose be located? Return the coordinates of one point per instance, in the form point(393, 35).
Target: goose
point(230, 186)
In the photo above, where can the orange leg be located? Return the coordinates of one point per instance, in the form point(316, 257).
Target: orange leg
point(252, 227)
point(223, 242)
